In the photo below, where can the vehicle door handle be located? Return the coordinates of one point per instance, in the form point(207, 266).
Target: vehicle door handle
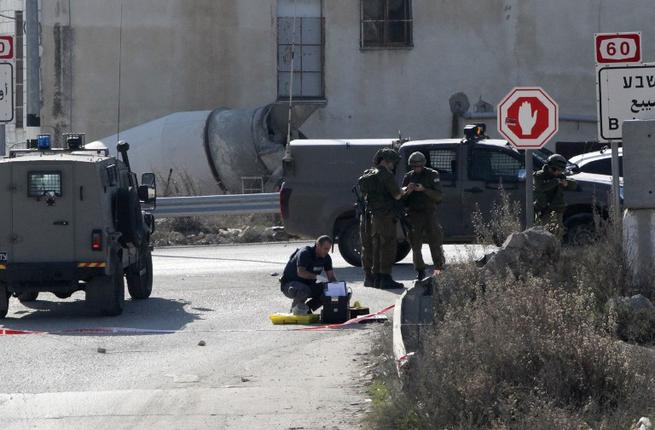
point(474, 190)
point(62, 222)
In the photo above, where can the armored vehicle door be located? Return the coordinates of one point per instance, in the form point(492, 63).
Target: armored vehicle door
point(42, 212)
point(490, 171)
point(5, 211)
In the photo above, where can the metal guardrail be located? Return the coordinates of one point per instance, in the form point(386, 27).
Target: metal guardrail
point(229, 204)
point(413, 312)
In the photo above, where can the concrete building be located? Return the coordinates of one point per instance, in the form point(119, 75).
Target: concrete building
point(369, 67)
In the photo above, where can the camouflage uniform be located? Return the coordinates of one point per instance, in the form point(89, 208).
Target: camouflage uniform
point(383, 222)
point(549, 201)
point(424, 226)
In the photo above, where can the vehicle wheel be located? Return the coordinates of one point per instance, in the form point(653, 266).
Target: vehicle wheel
point(350, 244)
point(4, 301)
point(107, 293)
point(28, 296)
point(139, 276)
point(62, 295)
point(581, 233)
point(404, 248)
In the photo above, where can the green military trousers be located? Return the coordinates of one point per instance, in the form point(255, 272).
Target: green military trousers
point(366, 237)
point(425, 228)
point(553, 220)
point(384, 242)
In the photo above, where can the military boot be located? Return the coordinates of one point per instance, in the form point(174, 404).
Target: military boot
point(369, 280)
point(420, 274)
point(376, 280)
point(386, 282)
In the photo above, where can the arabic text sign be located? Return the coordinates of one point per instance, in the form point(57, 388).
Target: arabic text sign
point(624, 93)
point(618, 47)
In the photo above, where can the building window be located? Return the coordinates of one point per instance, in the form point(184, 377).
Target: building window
point(305, 50)
point(386, 24)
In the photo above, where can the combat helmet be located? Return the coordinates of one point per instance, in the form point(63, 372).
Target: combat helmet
point(388, 154)
point(557, 161)
point(417, 159)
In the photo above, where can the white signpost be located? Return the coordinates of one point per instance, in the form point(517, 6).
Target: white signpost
point(6, 92)
point(625, 90)
point(624, 93)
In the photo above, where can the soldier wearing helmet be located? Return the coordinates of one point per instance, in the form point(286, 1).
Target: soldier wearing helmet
point(381, 196)
point(422, 213)
point(365, 184)
point(549, 186)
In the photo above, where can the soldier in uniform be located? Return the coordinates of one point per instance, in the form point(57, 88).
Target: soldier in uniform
point(381, 201)
point(549, 186)
point(424, 226)
point(365, 234)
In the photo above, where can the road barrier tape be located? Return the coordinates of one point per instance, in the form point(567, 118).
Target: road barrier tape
point(351, 321)
point(113, 330)
point(106, 331)
point(8, 331)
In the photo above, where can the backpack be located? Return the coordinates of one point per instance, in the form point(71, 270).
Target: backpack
point(367, 183)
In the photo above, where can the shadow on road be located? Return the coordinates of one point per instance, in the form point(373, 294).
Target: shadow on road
point(241, 260)
point(400, 272)
point(63, 316)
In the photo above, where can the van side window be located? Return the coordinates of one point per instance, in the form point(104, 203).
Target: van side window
point(40, 183)
point(112, 175)
point(493, 166)
point(445, 162)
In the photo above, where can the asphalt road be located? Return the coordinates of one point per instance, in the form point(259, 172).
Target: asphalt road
point(249, 375)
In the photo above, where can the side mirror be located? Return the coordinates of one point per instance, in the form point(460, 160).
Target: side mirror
point(147, 194)
point(573, 169)
point(148, 189)
point(521, 175)
point(149, 180)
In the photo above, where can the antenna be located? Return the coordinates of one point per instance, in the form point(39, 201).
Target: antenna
point(293, 56)
point(120, 57)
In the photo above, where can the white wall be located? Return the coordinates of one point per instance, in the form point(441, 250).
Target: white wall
point(180, 55)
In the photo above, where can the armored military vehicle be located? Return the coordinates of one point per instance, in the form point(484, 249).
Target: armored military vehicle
point(316, 197)
point(74, 219)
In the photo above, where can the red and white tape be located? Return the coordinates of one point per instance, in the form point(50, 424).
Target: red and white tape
point(351, 321)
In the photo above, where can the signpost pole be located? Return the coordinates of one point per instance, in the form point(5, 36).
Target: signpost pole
point(529, 205)
point(3, 142)
point(616, 199)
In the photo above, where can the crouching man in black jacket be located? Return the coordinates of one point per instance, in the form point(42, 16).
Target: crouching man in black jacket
point(299, 279)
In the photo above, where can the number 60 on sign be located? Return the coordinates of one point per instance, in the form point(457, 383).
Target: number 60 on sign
point(618, 48)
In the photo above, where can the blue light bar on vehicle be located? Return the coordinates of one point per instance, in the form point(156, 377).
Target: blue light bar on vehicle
point(43, 142)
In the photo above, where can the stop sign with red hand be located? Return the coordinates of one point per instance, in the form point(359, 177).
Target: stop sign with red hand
point(528, 117)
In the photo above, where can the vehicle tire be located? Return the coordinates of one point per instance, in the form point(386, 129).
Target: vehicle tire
point(63, 295)
point(28, 296)
point(581, 233)
point(107, 292)
point(4, 301)
point(404, 248)
point(350, 244)
point(139, 276)
point(128, 216)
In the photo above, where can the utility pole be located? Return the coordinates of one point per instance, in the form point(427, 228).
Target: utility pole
point(32, 30)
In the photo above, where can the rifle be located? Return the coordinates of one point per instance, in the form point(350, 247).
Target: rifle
point(360, 202)
point(401, 215)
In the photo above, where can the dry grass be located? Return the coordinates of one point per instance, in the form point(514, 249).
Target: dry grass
point(503, 220)
point(538, 352)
